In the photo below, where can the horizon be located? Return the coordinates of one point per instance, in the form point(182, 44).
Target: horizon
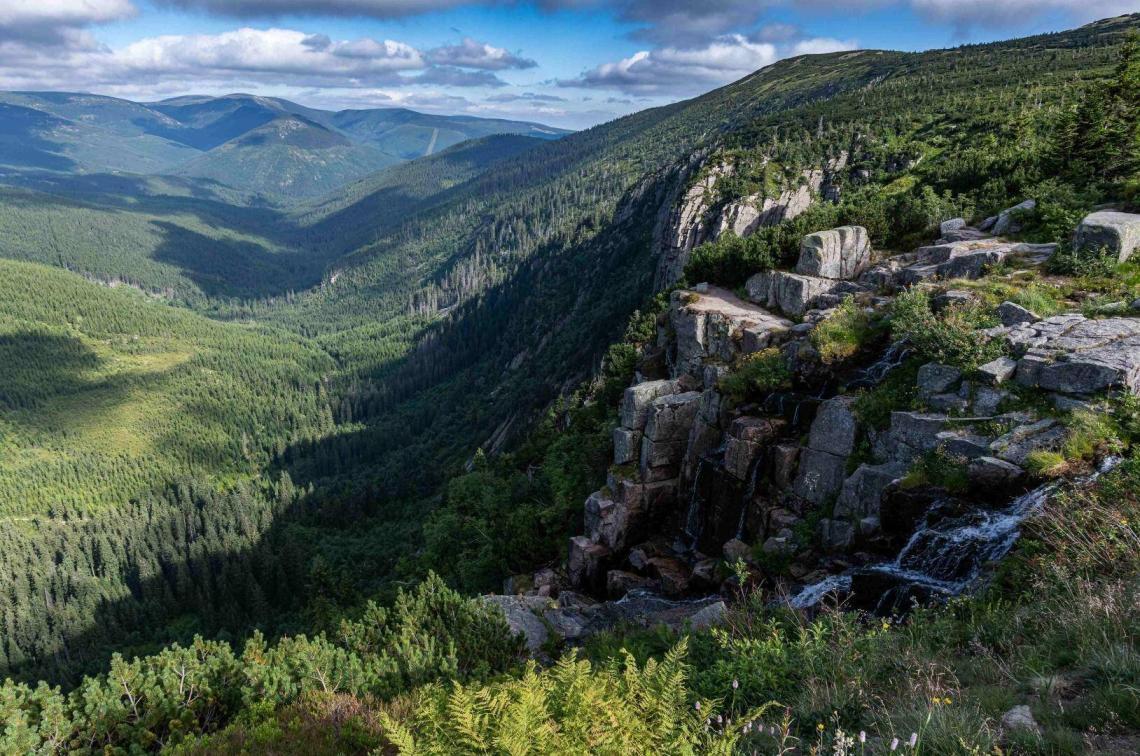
point(569, 64)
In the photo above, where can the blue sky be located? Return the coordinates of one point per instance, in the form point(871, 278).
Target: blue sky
point(571, 63)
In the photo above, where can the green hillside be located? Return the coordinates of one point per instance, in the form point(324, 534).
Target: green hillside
point(274, 148)
point(304, 435)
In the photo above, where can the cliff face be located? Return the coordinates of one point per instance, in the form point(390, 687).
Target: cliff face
point(796, 486)
point(701, 213)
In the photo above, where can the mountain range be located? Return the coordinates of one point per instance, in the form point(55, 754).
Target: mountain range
point(263, 145)
point(263, 366)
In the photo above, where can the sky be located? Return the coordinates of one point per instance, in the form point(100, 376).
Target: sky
point(568, 63)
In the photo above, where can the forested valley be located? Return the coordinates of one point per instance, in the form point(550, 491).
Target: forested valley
point(289, 437)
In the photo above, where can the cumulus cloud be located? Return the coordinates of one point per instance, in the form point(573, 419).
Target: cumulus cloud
point(58, 22)
point(690, 70)
point(472, 54)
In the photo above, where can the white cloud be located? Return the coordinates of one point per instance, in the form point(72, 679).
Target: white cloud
point(39, 13)
point(690, 70)
point(472, 54)
point(819, 45)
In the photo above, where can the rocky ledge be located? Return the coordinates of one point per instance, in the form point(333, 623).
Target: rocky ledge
point(798, 491)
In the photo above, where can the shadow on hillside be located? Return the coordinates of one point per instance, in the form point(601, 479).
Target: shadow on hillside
point(37, 365)
point(236, 268)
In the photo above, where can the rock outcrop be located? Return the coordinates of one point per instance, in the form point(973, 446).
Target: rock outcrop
point(827, 261)
point(1119, 233)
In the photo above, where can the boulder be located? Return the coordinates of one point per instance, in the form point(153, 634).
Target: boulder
point(713, 614)
point(863, 490)
point(951, 298)
point(1008, 222)
point(836, 535)
point(948, 403)
point(1019, 443)
point(746, 437)
point(783, 464)
point(672, 574)
point(834, 428)
point(791, 293)
point(841, 253)
point(1020, 719)
point(953, 224)
point(1117, 232)
point(960, 444)
point(988, 400)
point(998, 371)
point(1074, 355)
point(916, 431)
point(969, 258)
point(636, 400)
point(1011, 314)
point(586, 563)
point(714, 323)
point(993, 474)
point(934, 378)
point(820, 476)
point(523, 615)
point(671, 416)
point(736, 550)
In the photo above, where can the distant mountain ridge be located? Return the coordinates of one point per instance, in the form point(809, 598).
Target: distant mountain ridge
point(264, 145)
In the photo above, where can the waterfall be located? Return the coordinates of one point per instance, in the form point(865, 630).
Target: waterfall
point(693, 515)
point(873, 374)
point(749, 492)
point(947, 557)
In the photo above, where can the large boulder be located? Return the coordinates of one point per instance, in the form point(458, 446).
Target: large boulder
point(841, 253)
point(1117, 232)
point(586, 564)
point(714, 323)
point(1008, 221)
point(863, 491)
point(790, 293)
point(1073, 355)
point(524, 617)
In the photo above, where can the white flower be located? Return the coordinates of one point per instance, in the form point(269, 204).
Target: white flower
point(862, 736)
point(894, 743)
point(913, 739)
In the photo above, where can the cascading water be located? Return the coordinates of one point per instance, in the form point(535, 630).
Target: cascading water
point(944, 558)
point(873, 374)
point(693, 521)
point(749, 492)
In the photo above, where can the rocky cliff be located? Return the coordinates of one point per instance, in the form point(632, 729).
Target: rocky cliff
point(795, 486)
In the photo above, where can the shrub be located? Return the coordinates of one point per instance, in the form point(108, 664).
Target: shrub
point(574, 707)
point(1093, 263)
point(843, 334)
point(756, 374)
point(951, 338)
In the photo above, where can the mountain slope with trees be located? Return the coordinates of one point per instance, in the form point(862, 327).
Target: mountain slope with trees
point(471, 290)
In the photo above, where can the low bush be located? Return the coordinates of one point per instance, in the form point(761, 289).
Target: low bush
point(951, 337)
point(843, 334)
point(756, 375)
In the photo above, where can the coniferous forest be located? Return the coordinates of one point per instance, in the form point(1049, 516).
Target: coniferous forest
point(257, 451)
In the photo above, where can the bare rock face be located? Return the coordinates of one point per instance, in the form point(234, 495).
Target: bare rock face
point(1007, 221)
point(841, 253)
point(790, 293)
point(716, 324)
point(1073, 355)
point(1117, 232)
point(967, 259)
point(636, 401)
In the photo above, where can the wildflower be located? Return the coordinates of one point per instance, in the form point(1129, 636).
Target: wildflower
point(894, 743)
point(862, 736)
point(719, 719)
point(735, 684)
point(697, 706)
point(913, 739)
point(947, 701)
point(886, 625)
point(819, 727)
